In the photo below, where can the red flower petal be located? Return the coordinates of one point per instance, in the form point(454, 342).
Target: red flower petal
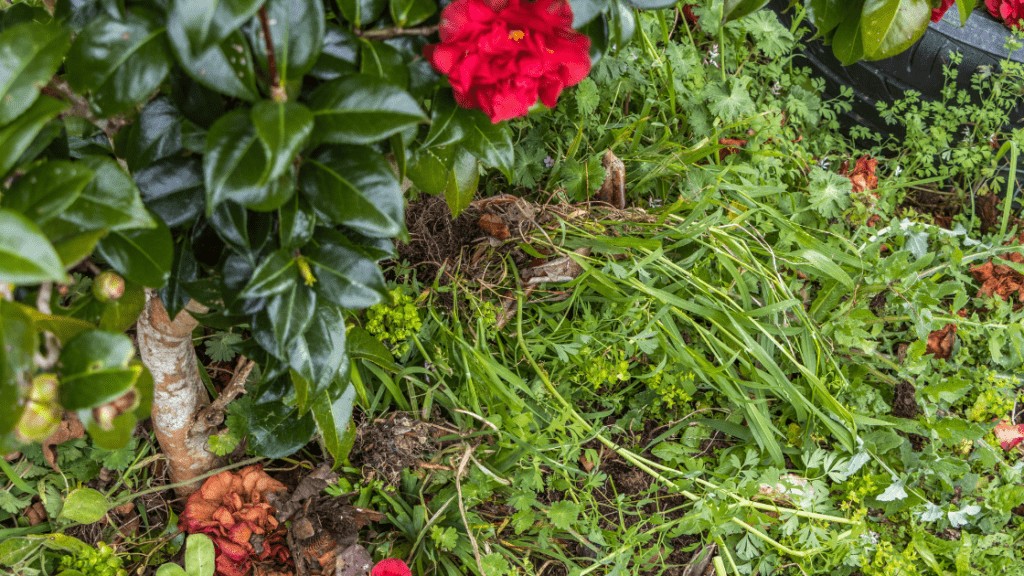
point(391, 567)
point(938, 13)
point(1009, 435)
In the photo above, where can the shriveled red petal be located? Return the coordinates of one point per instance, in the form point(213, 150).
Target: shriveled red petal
point(390, 567)
point(1009, 434)
point(228, 567)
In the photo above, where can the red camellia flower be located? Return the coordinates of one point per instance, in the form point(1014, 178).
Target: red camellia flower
point(390, 567)
point(500, 56)
point(938, 13)
point(1009, 11)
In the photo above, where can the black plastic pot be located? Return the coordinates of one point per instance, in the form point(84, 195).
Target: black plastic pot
point(981, 41)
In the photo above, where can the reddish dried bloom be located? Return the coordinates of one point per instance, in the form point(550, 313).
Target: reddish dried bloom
point(390, 567)
point(938, 13)
point(500, 56)
point(863, 175)
point(1009, 434)
point(1000, 279)
point(231, 508)
point(1009, 11)
point(940, 342)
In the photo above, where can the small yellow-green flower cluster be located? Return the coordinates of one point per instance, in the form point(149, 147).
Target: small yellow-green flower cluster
point(396, 322)
point(99, 561)
point(605, 369)
point(671, 387)
point(996, 398)
point(888, 562)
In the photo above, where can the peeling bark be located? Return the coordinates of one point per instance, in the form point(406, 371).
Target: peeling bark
point(179, 396)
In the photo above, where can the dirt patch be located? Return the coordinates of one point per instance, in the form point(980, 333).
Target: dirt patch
point(386, 446)
point(904, 403)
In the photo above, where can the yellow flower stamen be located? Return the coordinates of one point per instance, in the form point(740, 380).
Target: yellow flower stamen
point(516, 35)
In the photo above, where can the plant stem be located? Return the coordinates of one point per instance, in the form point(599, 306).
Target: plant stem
point(277, 92)
point(385, 33)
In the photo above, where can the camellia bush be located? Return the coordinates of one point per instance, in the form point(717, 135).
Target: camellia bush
point(170, 167)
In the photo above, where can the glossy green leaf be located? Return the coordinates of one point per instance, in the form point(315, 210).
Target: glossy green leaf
point(30, 54)
point(462, 182)
point(276, 430)
point(26, 256)
point(290, 313)
point(490, 143)
point(121, 61)
point(734, 9)
point(429, 168)
point(110, 201)
point(339, 56)
point(296, 222)
point(85, 506)
point(361, 109)
point(47, 189)
point(171, 569)
point(889, 27)
point(412, 12)
point(448, 122)
point(116, 436)
point(235, 166)
point(95, 368)
point(283, 128)
point(17, 136)
point(332, 417)
point(383, 61)
point(245, 231)
point(18, 344)
point(318, 354)
point(848, 44)
point(344, 275)
point(826, 15)
point(172, 188)
point(273, 276)
point(199, 555)
point(297, 32)
point(226, 68)
point(354, 186)
point(155, 134)
point(363, 346)
point(361, 12)
point(75, 247)
point(965, 7)
point(184, 269)
point(141, 255)
point(121, 314)
point(208, 22)
point(584, 11)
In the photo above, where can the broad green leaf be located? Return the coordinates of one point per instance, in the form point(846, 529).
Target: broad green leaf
point(85, 506)
point(332, 417)
point(47, 189)
point(199, 555)
point(290, 313)
point(344, 275)
point(121, 314)
point(110, 201)
point(74, 248)
point(275, 429)
point(122, 62)
point(245, 231)
point(734, 9)
point(235, 166)
point(318, 355)
point(361, 12)
point(826, 15)
point(848, 43)
point(383, 61)
point(30, 54)
point(283, 128)
point(273, 276)
point(361, 109)
point(95, 368)
point(297, 33)
point(584, 11)
point(17, 136)
point(429, 169)
point(407, 13)
point(208, 22)
point(26, 256)
point(142, 255)
point(172, 569)
point(889, 27)
point(490, 143)
point(184, 269)
point(965, 7)
point(354, 186)
point(226, 68)
point(116, 436)
point(363, 346)
point(155, 134)
point(339, 56)
point(296, 222)
point(448, 122)
point(18, 343)
point(172, 188)
point(462, 182)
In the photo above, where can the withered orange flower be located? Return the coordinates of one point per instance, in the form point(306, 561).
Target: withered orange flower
point(231, 508)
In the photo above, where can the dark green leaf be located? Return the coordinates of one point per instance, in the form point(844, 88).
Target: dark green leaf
point(244, 231)
point(18, 343)
point(889, 27)
point(120, 61)
point(490, 143)
point(339, 56)
point(847, 44)
point(344, 275)
point(297, 33)
point(208, 22)
point(184, 269)
point(318, 355)
point(382, 61)
point(429, 168)
point(275, 429)
point(739, 8)
point(141, 255)
point(17, 136)
point(235, 166)
point(156, 134)
point(290, 313)
point(333, 417)
point(361, 12)
point(361, 109)
point(363, 346)
point(173, 189)
point(226, 67)
point(462, 182)
point(296, 222)
point(26, 256)
point(584, 11)
point(275, 275)
point(407, 13)
point(30, 54)
point(448, 122)
point(96, 368)
point(827, 14)
point(110, 201)
point(121, 314)
point(283, 128)
point(47, 190)
point(354, 186)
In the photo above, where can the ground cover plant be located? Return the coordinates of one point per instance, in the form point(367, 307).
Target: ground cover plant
point(683, 319)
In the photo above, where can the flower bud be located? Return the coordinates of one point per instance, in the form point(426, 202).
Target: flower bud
point(108, 286)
